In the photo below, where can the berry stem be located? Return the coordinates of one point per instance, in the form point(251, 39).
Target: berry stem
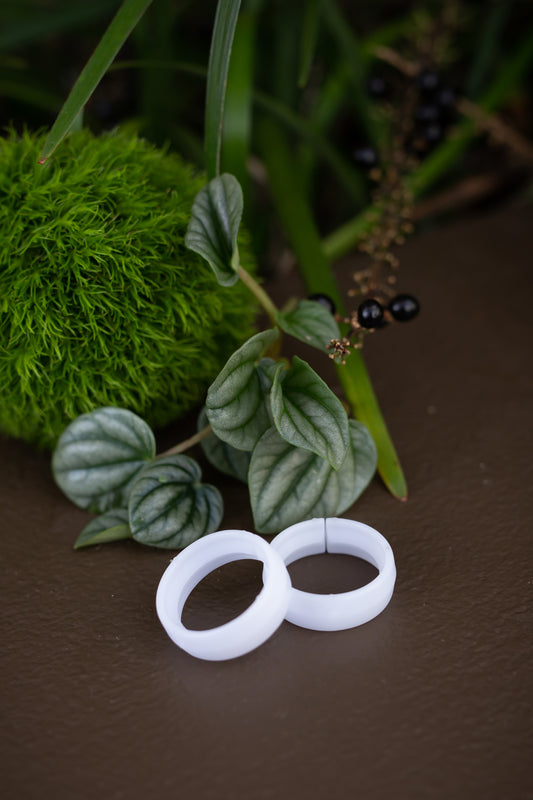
point(187, 443)
point(342, 240)
point(259, 293)
point(293, 207)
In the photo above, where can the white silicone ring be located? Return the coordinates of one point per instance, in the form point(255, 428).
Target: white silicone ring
point(248, 630)
point(336, 612)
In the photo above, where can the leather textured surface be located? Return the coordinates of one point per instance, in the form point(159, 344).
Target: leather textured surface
point(430, 700)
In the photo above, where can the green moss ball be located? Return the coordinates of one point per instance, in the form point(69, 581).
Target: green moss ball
point(101, 303)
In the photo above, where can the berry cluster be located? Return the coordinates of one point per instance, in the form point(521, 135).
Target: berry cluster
point(370, 315)
point(433, 112)
point(431, 109)
point(418, 122)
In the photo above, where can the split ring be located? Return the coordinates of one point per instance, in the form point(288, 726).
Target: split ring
point(335, 612)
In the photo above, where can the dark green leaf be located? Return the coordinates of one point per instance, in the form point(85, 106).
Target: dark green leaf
point(108, 527)
point(310, 323)
point(308, 43)
point(222, 455)
point(288, 484)
point(35, 26)
point(118, 31)
point(98, 456)
point(215, 219)
point(217, 74)
point(307, 414)
point(169, 507)
point(235, 404)
point(238, 105)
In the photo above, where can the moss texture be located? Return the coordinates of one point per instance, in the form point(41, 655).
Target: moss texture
point(100, 301)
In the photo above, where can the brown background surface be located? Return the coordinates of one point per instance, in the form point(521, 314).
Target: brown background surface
point(429, 700)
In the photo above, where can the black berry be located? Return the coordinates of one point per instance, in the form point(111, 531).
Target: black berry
point(404, 307)
point(432, 133)
point(323, 300)
point(365, 157)
point(377, 87)
point(428, 81)
point(445, 97)
point(427, 113)
point(370, 314)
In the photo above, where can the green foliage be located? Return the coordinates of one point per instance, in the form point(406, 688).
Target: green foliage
point(168, 505)
point(307, 414)
point(111, 526)
point(121, 26)
point(312, 462)
point(237, 403)
point(212, 233)
point(311, 323)
point(288, 484)
point(101, 303)
point(98, 456)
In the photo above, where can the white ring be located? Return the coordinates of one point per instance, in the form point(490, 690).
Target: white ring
point(336, 612)
point(248, 630)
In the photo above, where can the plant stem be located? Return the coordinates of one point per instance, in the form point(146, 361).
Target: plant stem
point(259, 293)
point(341, 241)
point(187, 443)
point(301, 231)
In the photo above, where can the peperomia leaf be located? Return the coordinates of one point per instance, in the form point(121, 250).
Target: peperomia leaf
point(311, 323)
point(212, 232)
point(108, 527)
point(288, 484)
point(235, 403)
point(98, 455)
point(222, 455)
point(169, 507)
point(307, 414)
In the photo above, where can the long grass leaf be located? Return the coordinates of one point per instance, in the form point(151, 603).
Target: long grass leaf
point(238, 107)
point(36, 26)
point(487, 46)
point(297, 220)
point(118, 31)
point(308, 42)
point(217, 72)
point(351, 51)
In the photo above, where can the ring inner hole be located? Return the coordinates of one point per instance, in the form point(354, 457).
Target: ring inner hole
point(223, 594)
point(331, 573)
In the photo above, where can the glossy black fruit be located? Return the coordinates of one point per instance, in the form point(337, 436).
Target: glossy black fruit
point(404, 307)
point(377, 87)
point(370, 314)
point(324, 300)
point(427, 114)
point(428, 81)
point(445, 97)
point(432, 133)
point(365, 157)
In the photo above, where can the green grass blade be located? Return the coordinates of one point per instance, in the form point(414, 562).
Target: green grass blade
point(487, 46)
point(118, 31)
point(346, 174)
point(297, 220)
point(35, 26)
point(309, 39)
point(217, 72)
point(351, 51)
point(238, 107)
